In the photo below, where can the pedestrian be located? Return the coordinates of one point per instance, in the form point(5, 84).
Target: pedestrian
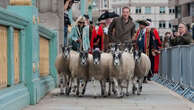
point(76, 34)
point(145, 41)
point(67, 6)
point(122, 28)
point(85, 37)
point(97, 38)
point(166, 42)
point(156, 53)
point(182, 37)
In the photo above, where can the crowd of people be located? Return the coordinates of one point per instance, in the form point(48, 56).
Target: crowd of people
point(86, 36)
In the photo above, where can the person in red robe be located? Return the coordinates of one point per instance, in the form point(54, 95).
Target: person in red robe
point(155, 58)
point(97, 37)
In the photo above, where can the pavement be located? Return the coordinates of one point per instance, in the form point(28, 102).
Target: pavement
point(153, 97)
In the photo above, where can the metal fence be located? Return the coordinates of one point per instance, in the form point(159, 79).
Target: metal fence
point(176, 70)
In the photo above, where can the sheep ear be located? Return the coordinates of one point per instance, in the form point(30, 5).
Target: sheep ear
point(131, 50)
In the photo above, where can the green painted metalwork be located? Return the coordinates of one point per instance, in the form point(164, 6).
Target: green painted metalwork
point(22, 53)
point(83, 7)
point(32, 87)
point(10, 54)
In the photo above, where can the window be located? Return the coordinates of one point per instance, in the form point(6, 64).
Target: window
point(192, 9)
point(162, 10)
point(105, 4)
point(170, 25)
point(162, 24)
point(171, 11)
point(178, 12)
point(147, 10)
point(138, 11)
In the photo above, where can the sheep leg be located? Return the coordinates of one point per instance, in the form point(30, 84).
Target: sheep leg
point(140, 81)
point(116, 87)
point(102, 87)
point(114, 90)
point(69, 84)
point(127, 89)
point(74, 85)
point(84, 90)
point(78, 84)
point(94, 87)
point(121, 88)
point(109, 90)
point(134, 88)
point(61, 84)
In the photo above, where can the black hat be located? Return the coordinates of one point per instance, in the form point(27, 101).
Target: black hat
point(86, 16)
point(150, 20)
point(143, 22)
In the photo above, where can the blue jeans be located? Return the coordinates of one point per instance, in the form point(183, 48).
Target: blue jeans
point(65, 34)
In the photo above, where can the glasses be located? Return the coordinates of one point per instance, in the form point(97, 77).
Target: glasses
point(180, 27)
point(81, 22)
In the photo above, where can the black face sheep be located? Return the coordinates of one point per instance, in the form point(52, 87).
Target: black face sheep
point(142, 67)
point(79, 71)
point(99, 69)
point(122, 71)
point(62, 67)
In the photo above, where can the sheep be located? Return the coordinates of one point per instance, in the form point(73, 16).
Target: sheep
point(62, 67)
point(99, 69)
point(142, 68)
point(79, 71)
point(122, 71)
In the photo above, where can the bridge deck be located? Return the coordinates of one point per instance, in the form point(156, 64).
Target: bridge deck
point(154, 97)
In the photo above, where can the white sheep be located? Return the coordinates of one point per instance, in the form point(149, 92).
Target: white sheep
point(79, 71)
point(62, 67)
point(142, 68)
point(99, 64)
point(122, 71)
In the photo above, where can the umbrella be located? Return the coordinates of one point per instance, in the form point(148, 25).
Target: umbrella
point(107, 14)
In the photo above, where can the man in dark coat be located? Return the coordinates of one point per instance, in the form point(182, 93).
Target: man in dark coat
point(182, 37)
point(122, 28)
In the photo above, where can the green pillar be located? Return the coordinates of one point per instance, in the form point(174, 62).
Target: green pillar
point(90, 12)
point(10, 54)
point(82, 7)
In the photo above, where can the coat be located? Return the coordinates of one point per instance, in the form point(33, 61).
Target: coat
point(123, 31)
point(85, 39)
point(186, 39)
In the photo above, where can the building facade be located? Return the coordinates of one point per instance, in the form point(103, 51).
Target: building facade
point(184, 12)
point(156, 10)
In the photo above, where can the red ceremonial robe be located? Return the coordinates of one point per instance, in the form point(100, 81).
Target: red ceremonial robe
point(157, 57)
point(95, 34)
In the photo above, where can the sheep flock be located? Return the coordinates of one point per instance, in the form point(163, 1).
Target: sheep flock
point(114, 70)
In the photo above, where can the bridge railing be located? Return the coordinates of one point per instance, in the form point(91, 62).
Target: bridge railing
point(176, 69)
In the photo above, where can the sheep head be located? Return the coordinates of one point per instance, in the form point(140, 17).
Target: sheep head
point(83, 57)
point(96, 56)
point(66, 51)
point(137, 55)
point(117, 58)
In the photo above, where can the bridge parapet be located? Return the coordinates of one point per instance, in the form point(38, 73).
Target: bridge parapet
point(176, 70)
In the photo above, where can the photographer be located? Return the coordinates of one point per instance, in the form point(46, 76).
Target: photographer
point(182, 37)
